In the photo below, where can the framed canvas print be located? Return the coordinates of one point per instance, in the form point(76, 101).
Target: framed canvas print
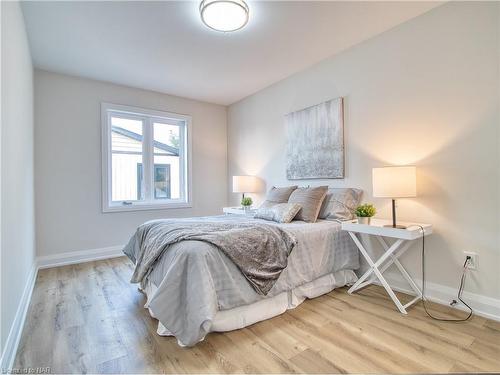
point(315, 141)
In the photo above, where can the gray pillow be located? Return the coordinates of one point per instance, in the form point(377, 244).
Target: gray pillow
point(310, 199)
point(281, 212)
point(340, 203)
point(278, 195)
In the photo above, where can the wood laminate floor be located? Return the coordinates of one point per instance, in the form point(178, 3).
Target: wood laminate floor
point(89, 318)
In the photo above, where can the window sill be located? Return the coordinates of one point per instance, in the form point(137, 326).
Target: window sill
point(147, 207)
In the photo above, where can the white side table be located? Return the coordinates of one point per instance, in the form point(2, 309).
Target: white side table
point(404, 238)
point(239, 211)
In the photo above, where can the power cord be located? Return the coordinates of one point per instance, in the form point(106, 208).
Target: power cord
point(460, 289)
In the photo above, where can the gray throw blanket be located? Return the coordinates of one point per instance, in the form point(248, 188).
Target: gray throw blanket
point(259, 250)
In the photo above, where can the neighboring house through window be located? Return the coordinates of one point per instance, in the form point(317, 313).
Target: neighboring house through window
point(146, 159)
point(161, 181)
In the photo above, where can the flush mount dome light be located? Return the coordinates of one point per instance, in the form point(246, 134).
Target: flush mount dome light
point(224, 15)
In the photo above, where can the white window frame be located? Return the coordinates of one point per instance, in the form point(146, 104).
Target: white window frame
point(147, 115)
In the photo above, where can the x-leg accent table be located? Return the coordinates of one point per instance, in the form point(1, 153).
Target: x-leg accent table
point(403, 241)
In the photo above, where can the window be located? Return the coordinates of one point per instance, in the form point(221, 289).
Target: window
point(146, 159)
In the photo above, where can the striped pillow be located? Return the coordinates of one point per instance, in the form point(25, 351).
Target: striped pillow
point(310, 199)
point(278, 195)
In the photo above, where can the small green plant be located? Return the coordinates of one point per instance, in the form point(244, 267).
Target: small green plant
point(246, 201)
point(365, 210)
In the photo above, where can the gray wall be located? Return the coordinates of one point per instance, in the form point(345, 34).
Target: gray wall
point(423, 93)
point(17, 205)
point(68, 162)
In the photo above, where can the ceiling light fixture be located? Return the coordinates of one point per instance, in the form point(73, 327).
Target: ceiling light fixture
point(224, 15)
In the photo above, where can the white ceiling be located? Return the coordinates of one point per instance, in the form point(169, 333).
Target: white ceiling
point(163, 46)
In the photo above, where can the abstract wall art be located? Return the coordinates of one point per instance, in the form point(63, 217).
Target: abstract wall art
point(315, 141)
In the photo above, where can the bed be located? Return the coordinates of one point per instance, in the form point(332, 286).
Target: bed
point(193, 288)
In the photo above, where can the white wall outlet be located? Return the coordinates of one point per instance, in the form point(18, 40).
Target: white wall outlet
point(473, 259)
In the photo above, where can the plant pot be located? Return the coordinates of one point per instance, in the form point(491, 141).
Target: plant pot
point(246, 208)
point(364, 220)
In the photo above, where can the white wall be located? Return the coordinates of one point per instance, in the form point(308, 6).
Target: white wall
point(17, 196)
point(423, 93)
point(68, 162)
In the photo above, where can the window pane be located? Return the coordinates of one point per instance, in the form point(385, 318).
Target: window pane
point(162, 181)
point(126, 164)
point(167, 161)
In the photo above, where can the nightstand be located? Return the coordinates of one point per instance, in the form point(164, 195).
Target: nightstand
point(239, 211)
point(403, 240)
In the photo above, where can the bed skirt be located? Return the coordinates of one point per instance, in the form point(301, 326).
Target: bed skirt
point(242, 316)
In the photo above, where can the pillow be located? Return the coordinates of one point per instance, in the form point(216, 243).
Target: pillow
point(340, 203)
point(278, 195)
point(310, 199)
point(280, 212)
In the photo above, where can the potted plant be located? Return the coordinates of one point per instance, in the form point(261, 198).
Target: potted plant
point(365, 212)
point(246, 202)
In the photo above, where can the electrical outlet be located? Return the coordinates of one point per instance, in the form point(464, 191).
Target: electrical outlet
point(473, 259)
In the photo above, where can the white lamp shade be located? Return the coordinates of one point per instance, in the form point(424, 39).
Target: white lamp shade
point(395, 182)
point(245, 184)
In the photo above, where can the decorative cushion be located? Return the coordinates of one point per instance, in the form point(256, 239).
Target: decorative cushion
point(278, 195)
point(280, 212)
point(310, 199)
point(340, 203)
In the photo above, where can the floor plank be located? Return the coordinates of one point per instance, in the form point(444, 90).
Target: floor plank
point(88, 318)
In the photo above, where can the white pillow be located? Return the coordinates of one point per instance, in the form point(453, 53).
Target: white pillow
point(280, 212)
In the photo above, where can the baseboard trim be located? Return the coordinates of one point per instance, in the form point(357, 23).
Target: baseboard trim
point(82, 256)
point(16, 330)
point(484, 306)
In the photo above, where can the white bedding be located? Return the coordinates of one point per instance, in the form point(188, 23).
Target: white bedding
point(193, 282)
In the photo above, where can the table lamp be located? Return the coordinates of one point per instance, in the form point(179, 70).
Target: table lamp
point(245, 184)
point(394, 182)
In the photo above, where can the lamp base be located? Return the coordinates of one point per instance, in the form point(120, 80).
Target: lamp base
point(396, 226)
